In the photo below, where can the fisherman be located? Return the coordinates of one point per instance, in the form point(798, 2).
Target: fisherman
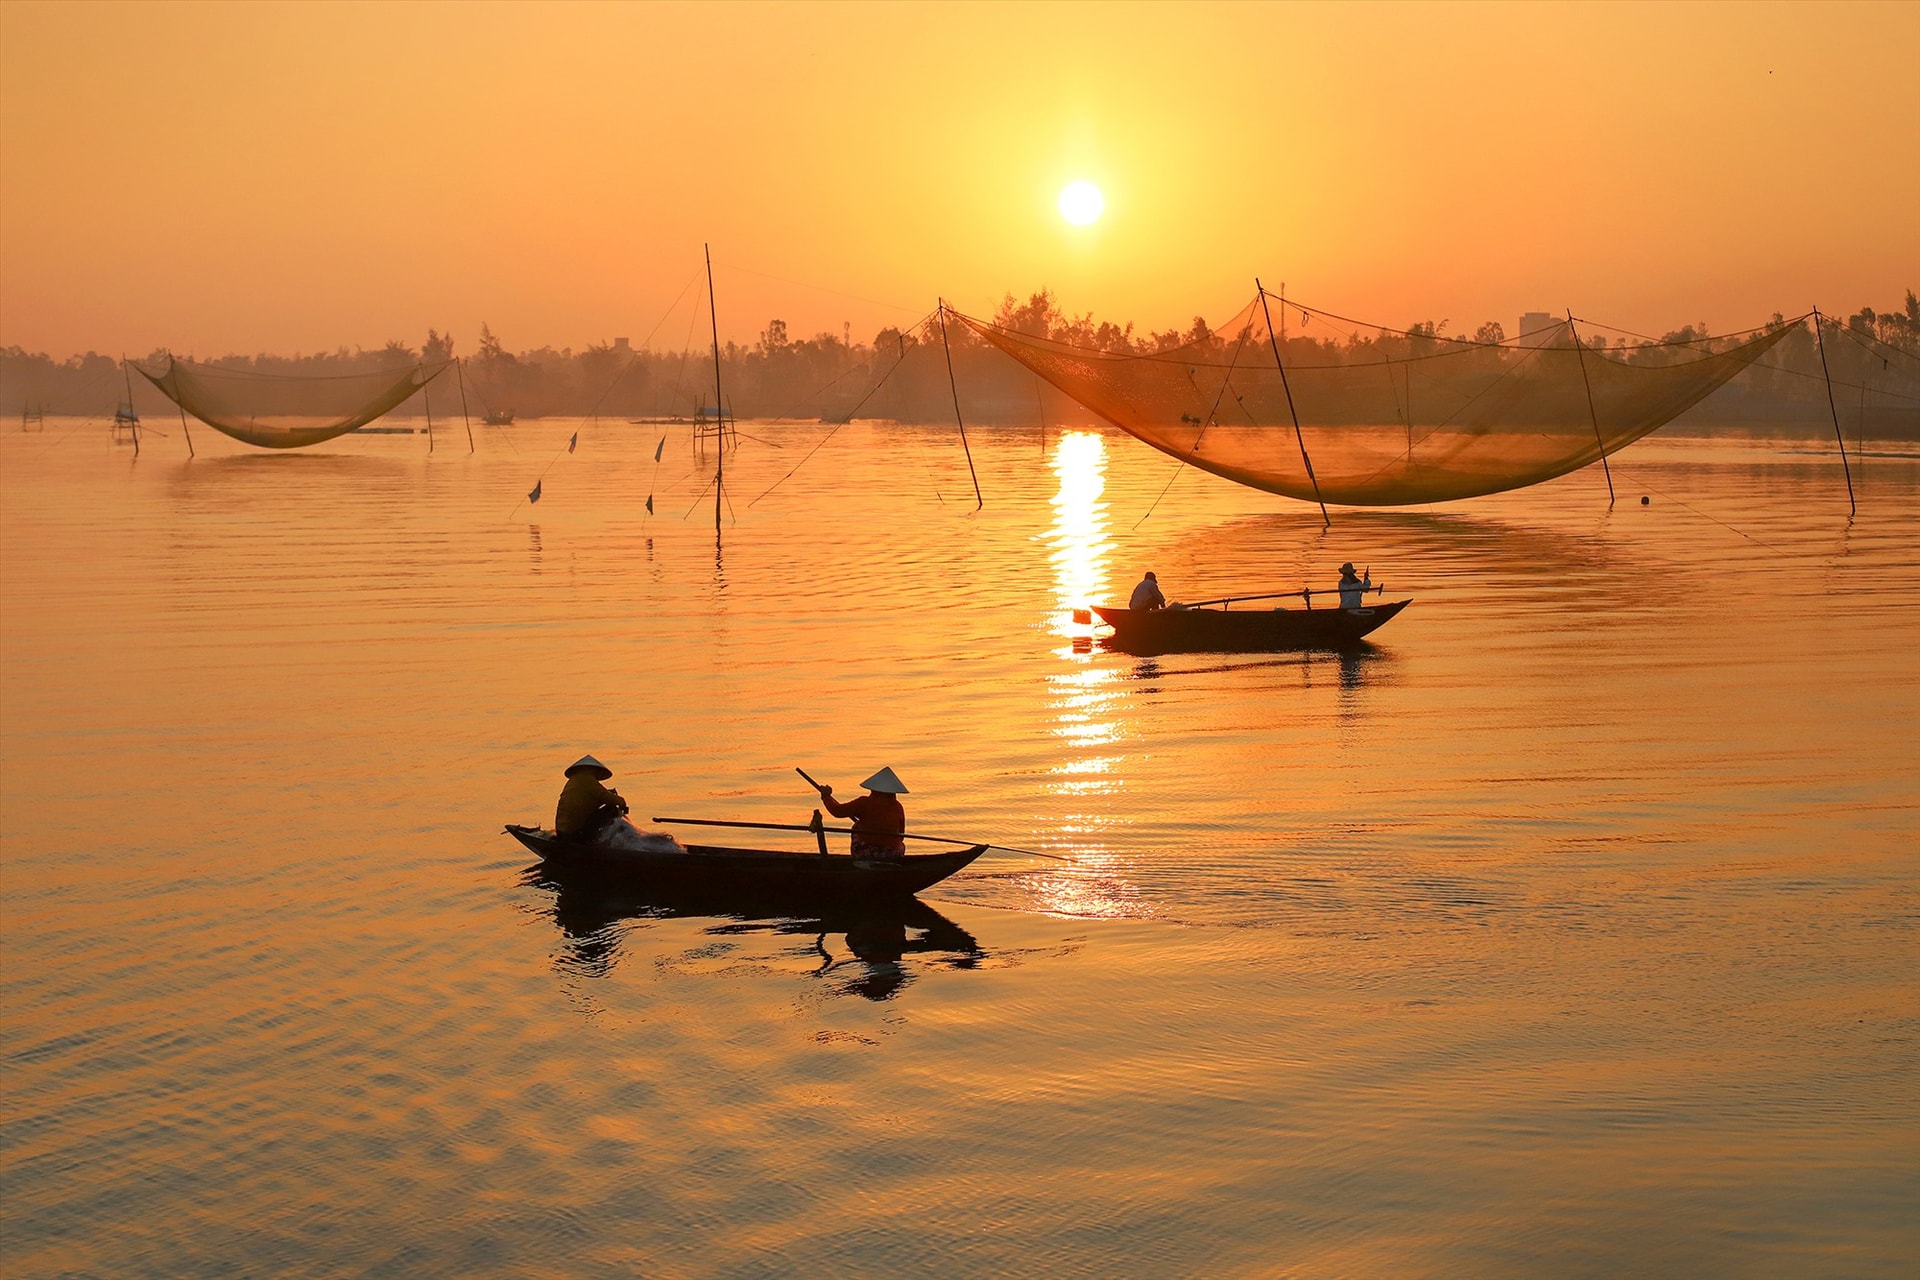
point(1353, 591)
point(586, 806)
point(1147, 595)
point(878, 819)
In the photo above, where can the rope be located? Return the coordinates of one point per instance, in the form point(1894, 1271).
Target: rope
point(898, 361)
point(1763, 364)
point(1860, 340)
point(802, 284)
point(1666, 497)
point(1212, 413)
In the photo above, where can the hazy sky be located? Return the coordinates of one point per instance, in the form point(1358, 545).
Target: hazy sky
point(217, 178)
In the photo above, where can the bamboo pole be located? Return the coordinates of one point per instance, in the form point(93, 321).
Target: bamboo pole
point(132, 415)
point(954, 386)
point(1593, 414)
point(459, 376)
point(720, 463)
point(1853, 507)
point(426, 394)
point(1326, 520)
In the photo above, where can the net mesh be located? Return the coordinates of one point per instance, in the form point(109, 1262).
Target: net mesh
point(280, 412)
point(1389, 420)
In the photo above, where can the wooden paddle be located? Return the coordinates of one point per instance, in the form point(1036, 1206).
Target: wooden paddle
point(1278, 595)
point(847, 831)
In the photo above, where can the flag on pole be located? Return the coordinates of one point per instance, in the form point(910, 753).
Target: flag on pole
point(535, 495)
point(572, 441)
point(649, 504)
point(659, 448)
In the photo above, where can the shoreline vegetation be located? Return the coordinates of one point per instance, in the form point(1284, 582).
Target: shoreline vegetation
point(901, 375)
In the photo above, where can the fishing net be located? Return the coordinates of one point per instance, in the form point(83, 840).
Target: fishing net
point(1392, 419)
point(282, 412)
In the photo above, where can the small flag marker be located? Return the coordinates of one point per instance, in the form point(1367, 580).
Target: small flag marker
point(535, 495)
point(572, 441)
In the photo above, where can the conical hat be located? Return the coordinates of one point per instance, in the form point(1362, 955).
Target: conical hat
point(886, 780)
point(588, 762)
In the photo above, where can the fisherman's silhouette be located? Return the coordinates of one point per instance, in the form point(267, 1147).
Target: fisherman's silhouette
point(879, 935)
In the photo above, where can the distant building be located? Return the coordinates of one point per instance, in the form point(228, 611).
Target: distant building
point(1535, 322)
point(621, 347)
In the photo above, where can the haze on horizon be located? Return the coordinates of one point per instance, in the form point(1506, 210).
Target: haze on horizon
point(293, 177)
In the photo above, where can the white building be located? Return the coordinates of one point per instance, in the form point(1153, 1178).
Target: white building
point(1535, 322)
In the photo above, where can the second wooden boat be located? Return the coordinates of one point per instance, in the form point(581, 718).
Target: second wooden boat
point(1154, 631)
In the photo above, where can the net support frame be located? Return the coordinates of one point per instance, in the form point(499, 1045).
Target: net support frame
point(1326, 521)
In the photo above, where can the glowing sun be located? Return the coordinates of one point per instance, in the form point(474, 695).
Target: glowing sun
point(1082, 204)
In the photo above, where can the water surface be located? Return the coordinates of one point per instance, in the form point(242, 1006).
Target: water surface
point(1571, 927)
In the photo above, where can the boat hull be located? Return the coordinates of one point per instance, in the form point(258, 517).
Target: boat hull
point(764, 873)
point(1155, 631)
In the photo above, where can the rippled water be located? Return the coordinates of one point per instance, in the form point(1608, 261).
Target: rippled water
point(1570, 928)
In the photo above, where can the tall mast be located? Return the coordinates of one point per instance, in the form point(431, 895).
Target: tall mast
point(719, 410)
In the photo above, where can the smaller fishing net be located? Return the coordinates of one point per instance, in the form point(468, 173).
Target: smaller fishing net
point(282, 412)
point(1391, 420)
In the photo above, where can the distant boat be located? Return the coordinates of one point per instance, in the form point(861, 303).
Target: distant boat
point(497, 418)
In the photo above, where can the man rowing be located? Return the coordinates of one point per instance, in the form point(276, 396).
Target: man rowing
point(878, 819)
point(1353, 591)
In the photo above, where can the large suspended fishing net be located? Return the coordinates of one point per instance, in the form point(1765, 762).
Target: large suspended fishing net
point(287, 412)
point(1387, 420)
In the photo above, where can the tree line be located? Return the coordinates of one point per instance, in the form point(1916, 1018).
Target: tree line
point(902, 373)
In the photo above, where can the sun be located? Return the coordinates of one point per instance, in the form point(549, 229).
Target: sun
point(1082, 204)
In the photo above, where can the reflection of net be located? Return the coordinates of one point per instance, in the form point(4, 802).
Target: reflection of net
point(1405, 419)
point(277, 412)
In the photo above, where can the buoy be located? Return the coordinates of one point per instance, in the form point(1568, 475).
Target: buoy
point(1645, 501)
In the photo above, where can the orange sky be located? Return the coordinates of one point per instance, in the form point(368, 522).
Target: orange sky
point(219, 178)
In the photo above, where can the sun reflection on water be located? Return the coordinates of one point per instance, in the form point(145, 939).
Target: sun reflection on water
point(1079, 530)
point(1086, 697)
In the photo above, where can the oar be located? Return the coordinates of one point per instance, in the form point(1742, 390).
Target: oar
point(1276, 595)
point(809, 777)
point(847, 831)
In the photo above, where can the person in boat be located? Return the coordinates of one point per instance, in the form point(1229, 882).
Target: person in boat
point(1353, 591)
point(585, 804)
point(878, 819)
point(1147, 595)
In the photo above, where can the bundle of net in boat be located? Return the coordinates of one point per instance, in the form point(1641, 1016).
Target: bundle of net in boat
point(1391, 420)
point(278, 411)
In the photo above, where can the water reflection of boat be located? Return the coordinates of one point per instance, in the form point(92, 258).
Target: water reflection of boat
point(1143, 631)
point(787, 876)
point(879, 934)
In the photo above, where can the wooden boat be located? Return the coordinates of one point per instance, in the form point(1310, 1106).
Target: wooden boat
point(768, 872)
point(1227, 630)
